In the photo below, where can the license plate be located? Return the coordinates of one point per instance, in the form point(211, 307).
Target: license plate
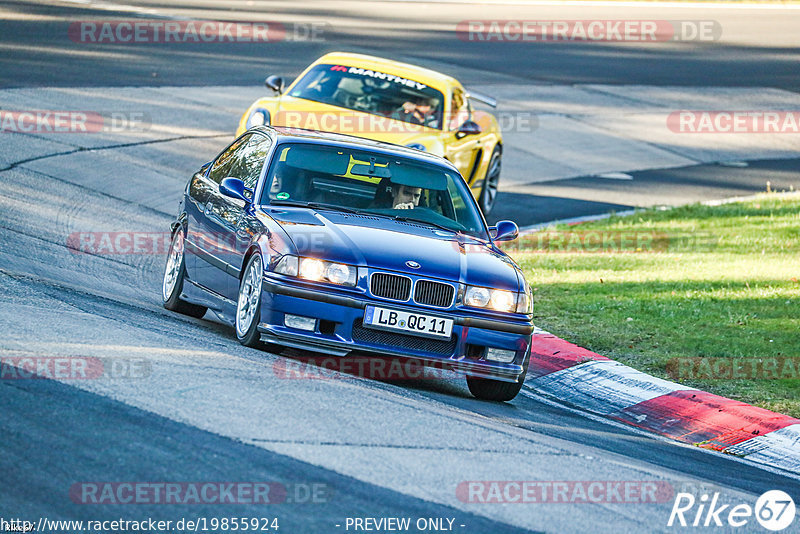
point(415, 324)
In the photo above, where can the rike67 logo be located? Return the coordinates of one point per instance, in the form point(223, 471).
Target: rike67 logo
point(774, 510)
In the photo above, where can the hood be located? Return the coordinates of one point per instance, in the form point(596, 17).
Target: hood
point(300, 113)
point(385, 244)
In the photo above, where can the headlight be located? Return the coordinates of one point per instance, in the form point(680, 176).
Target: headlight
point(493, 299)
point(287, 265)
point(525, 302)
point(259, 117)
point(311, 269)
point(317, 270)
point(477, 297)
point(339, 273)
point(504, 300)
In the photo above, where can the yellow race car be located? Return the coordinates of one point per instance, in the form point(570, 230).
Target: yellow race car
point(392, 102)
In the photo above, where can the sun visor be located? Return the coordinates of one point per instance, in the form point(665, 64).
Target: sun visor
point(418, 176)
point(323, 160)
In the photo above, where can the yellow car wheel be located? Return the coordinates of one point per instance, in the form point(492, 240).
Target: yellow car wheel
point(491, 182)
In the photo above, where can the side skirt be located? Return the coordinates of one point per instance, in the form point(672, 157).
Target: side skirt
point(197, 294)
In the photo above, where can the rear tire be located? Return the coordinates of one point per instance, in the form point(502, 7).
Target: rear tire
point(493, 390)
point(174, 274)
point(491, 182)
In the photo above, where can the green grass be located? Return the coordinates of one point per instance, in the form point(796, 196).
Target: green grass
point(711, 282)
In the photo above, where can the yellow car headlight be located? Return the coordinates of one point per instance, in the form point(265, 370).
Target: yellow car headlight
point(258, 117)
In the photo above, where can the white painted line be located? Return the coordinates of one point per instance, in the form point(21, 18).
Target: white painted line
point(779, 448)
point(574, 220)
point(734, 200)
point(627, 213)
point(531, 394)
point(603, 387)
point(614, 3)
point(734, 163)
point(110, 6)
point(638, 431)
point(614, 176)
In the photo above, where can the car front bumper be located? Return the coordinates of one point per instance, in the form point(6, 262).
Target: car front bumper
point(339, 331)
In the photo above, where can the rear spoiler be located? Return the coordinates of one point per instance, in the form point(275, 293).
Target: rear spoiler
point(488, 100)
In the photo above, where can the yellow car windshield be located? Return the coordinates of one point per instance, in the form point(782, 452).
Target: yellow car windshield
point(371, 91)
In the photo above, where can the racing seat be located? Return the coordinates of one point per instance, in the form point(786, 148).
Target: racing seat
point(383, 194)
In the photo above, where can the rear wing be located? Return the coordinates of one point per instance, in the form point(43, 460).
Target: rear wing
point(488, 100)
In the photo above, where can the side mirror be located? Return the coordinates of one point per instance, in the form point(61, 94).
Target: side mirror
point(504, 231)
point(234, 188)
point(275, 83)
point(468, 128)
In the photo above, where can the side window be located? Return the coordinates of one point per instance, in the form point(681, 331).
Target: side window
point(243, 160)
point(459, 108)
point(250, 160)
point(224, 163)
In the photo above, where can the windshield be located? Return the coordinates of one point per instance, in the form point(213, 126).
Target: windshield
point(369, 182)
point(373, 92)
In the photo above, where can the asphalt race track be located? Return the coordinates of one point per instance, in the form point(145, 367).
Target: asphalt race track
point(185, 403)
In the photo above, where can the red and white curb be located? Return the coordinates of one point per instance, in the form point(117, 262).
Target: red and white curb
point(599, 385)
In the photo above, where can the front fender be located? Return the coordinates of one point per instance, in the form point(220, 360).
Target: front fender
point(433, 143)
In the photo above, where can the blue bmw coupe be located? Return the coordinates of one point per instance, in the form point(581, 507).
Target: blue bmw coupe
point(346, 246)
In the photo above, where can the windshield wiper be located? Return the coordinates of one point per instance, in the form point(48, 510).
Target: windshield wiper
point(403, 218)
point(334, 207)
point(313, 205)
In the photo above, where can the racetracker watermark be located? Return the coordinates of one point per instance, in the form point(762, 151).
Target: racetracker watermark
point(372, 367)
point(123, 243)
point(608, 242)
point(564, 492)
point(138, 31)
point(750, 122)
point(762, 368)
point(209, 492)
point(73, 368)
point(587, 30)
point(359, 123)
point(71, 122)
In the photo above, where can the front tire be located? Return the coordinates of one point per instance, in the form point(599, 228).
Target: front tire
point(248, 306)
point(174, 275)
point(491, 182)
point(493, 390)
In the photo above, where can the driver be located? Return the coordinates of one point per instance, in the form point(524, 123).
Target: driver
point(420, 111)
point(405, 197)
